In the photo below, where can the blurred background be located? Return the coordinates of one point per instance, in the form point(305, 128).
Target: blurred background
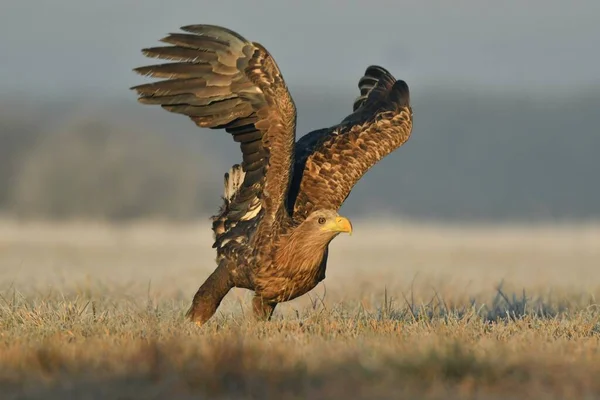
point(505, 98)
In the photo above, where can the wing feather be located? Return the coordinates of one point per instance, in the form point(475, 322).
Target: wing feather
point(330, 161)
point(220, 80)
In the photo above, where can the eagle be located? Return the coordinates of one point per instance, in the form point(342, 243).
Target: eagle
point(280, 204)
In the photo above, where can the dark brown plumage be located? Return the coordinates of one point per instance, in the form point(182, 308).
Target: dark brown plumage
point(280, 205)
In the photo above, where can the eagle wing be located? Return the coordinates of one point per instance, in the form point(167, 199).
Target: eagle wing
point(222, 81)
point(330, 161)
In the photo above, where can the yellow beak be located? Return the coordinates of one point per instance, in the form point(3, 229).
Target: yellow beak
point(341, 224)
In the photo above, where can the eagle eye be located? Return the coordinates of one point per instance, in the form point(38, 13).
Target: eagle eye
point(321, 220)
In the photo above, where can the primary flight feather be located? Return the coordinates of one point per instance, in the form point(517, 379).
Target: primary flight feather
point(280, 205)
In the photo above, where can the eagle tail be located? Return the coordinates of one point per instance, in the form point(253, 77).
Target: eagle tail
point(232, 182)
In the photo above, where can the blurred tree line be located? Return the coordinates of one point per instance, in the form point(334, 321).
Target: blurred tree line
point(473, 155)
point(87, 165)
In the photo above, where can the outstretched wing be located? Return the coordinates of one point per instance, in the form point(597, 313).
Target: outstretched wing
point(222, 81)
point(330, 161)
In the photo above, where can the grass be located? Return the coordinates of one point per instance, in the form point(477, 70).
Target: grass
point(443, 313)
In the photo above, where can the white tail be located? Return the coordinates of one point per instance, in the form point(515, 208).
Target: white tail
point(233, 181)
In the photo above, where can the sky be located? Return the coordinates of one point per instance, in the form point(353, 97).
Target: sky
point(62, 47)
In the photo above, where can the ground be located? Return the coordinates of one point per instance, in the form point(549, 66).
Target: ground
point(406, 311)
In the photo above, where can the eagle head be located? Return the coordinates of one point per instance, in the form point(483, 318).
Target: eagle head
point(328, 223)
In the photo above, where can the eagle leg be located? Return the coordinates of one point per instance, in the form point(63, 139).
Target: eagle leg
point(263, 309)
point(209, 296)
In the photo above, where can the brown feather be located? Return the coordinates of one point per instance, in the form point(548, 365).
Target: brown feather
point(179, 54)
point(184, 70)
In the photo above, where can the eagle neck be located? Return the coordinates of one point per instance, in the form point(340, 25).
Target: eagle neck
point(302, 249)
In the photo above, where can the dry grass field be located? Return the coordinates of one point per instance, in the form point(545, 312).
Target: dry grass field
point(406, 311)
